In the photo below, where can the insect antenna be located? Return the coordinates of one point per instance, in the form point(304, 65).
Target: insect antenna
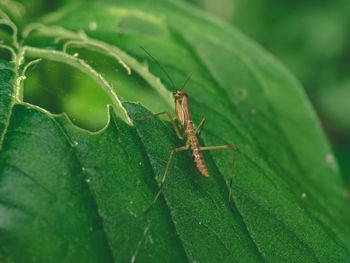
point(160, 66)
point(186, 81)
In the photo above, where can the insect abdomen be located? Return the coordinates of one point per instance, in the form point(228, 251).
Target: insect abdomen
point(197, 155)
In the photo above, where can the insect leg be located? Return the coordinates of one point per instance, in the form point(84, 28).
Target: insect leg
point(183, 148)
point(200, 127)
point(234, 148)
point(181, 136)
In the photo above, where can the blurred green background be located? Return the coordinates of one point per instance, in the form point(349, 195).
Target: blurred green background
point(312, 38)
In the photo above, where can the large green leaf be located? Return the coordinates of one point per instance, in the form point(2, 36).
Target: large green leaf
point(68, 194)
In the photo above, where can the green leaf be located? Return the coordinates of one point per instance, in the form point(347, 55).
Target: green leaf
point(52, 214)
point(7, 92)
point(68, 194)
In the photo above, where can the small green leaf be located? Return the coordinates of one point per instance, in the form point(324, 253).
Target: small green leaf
point(68, 194)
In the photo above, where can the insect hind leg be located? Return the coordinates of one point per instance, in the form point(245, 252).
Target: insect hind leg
point(183, 148)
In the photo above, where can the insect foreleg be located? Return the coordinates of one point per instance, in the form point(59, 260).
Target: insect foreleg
point(181, 136)
point(183, 148)
point(200, 127)
point(234, 148)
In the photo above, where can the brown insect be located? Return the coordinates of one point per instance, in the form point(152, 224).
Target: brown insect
point(184, 117)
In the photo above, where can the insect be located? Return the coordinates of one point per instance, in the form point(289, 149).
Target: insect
point(183, 115)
